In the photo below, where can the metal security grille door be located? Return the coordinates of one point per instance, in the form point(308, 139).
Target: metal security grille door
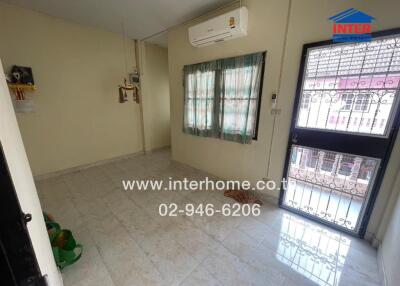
point(345, 121)
point(330, 185)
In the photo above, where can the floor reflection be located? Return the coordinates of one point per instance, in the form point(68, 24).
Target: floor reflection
point(312, 251)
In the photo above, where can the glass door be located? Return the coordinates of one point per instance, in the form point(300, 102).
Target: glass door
point(345, 121)
point(330, 185)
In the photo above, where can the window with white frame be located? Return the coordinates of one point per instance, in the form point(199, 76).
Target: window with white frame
point(359, 102)
point(362, 102)
point(305, 101)
point(328, 161)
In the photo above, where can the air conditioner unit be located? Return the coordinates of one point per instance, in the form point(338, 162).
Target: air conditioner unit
point(222, 28)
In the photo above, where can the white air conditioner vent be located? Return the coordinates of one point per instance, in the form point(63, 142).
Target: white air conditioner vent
point(224, 27)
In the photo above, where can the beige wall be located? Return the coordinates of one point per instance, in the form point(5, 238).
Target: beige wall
point(77, 69)
point(21, 175)
point(155, 91)
point(267, 19)
point(390, 250)
point(223, 158)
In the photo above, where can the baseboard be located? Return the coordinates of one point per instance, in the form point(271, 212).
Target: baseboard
point(261, 195)
point(268, 198)
point(86, 166)
point(158, 149)
point(372, 239)
point(381, 266)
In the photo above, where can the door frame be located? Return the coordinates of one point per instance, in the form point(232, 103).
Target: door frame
point(331, 138)
point(17, 255)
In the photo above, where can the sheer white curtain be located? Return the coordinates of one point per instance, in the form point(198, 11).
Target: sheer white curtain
point(240, 91)
point(222, 97)
point(199, 98)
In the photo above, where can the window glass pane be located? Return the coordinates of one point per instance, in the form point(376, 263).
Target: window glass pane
point(221, 97)
point(329, 185)
point(351, 87)
point(239, 116)
point(238, 83)
point(252, 116)
point(199, 100)
point(241, 91)
point(199, 113)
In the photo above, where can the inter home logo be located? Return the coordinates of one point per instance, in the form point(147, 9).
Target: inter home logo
point(351, 26)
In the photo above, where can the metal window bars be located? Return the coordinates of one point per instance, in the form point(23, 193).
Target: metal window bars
point(351, 88)
point(335, 188)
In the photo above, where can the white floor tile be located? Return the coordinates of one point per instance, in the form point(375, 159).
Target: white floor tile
point(127, 243)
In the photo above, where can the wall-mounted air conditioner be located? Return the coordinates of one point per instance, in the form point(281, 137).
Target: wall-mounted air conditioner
point(222, 28)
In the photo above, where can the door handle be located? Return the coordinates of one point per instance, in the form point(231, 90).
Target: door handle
point(294, 138)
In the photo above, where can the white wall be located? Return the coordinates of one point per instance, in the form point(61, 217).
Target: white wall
point(77, 70)
point(155, 95)
point(308, 22)
point(21, 175)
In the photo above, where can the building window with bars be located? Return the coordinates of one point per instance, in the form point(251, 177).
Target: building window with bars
point(222, 98)
point(305, 102)
point(366, 169)
point(312, 159)
point(328, 162)
point(362, 102)
point(346, 165)
point(347, 100)
point(359, 102)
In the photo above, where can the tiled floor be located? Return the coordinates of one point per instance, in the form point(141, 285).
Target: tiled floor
point(127, 243)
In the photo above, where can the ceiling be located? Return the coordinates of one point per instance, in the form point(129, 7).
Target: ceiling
point(141, 18)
